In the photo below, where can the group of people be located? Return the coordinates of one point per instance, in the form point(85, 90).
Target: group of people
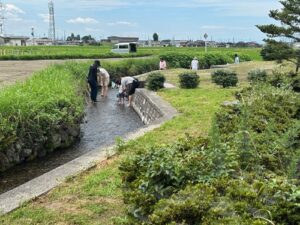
point(99, 76)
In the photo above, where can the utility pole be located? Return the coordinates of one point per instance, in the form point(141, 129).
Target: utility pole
point(205, 37)
point(32, 34)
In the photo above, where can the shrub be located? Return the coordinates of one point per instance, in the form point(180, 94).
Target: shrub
point(257, 76)
point(155, 81)
point(178, 60)
point(225, 78)
point(189, 80)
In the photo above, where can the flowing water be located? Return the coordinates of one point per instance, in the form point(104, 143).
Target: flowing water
point(103, 123)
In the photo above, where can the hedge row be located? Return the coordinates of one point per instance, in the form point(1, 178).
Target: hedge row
point(183, 60)
point(245, 172)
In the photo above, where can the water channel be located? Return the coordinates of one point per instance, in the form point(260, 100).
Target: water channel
point(103, 123)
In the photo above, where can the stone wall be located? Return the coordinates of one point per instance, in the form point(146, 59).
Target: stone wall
point(151, 108)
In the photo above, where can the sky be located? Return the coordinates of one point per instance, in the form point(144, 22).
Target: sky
point(222, 20)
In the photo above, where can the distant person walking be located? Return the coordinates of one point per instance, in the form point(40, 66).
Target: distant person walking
point(236, 59)
point(129, 84)
point(104, 81)
point(93, 81)
point(195, 64)
point(162, 64)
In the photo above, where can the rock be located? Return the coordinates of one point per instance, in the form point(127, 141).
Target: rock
point(232, 103)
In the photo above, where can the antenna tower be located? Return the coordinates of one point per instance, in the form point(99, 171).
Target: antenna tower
point(2, 18)
point(51, 34)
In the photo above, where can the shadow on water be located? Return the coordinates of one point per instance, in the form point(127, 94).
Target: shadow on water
point(103, 123)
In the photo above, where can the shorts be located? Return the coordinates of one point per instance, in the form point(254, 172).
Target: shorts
point(131, 87)
point(104, 81)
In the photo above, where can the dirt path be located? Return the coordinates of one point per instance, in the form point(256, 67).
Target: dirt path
point(12, 71)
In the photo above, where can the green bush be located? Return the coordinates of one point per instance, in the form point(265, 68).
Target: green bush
point(155, 81)
point(225, 78)
point(189, 80)
point(257, 76)
point(178, 60)
point(239, 175)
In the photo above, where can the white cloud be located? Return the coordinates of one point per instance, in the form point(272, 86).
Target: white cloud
point(81, 20)
point(10, 8)
point(45, 17)
point(122, 23)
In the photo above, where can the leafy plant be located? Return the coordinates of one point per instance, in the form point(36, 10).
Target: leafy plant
point(225, 78)
point(155, 81)
point(257, 76)
point(189, 80)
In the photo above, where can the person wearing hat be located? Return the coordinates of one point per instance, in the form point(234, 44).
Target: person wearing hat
point(93, 80)
point(195, 64)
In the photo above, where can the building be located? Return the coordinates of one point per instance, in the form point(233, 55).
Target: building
point(117, 40)
point(13, 40)
point(40, 41)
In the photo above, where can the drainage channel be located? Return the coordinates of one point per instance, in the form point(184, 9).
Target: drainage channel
point(103, 124)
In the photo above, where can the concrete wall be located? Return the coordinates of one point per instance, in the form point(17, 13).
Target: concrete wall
point(151, 108)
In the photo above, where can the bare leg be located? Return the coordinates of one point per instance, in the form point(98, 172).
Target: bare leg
point(130, 98)
point(105, 91)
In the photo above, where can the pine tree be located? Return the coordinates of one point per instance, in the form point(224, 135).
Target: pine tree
point(289, 18)
point(155, 37)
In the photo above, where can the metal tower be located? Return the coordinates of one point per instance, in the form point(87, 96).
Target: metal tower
point(2, 18)
point(51, 34)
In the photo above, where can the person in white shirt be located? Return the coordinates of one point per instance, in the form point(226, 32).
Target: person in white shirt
point(104, 81)
point(236, 59)
point(129, 84)
point(195, 64)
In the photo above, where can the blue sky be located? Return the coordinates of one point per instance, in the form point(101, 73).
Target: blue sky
point(222, 20)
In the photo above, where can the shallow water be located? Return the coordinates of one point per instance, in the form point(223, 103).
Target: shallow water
point(103, 123)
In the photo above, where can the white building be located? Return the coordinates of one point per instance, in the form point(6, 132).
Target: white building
point(13, 40)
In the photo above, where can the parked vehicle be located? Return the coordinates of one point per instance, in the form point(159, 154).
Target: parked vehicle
point(125, 48)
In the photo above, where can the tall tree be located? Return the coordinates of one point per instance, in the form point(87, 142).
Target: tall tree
point(289, 18)
point(155, 37)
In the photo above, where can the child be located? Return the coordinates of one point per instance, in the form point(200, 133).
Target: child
point(121, 93)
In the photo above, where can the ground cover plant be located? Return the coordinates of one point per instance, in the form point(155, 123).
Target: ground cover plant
point(155, 81)
point(244, 173)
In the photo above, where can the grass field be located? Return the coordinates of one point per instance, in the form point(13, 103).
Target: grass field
point(75, 52)
point(95, 197)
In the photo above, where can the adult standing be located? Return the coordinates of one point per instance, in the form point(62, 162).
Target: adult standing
point(104, 81)
point(129, 84)
point(195, 64)
point(236, 59)
point(162, 64)
point(93, 81)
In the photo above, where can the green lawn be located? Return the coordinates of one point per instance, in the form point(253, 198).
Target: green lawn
point(95, 197)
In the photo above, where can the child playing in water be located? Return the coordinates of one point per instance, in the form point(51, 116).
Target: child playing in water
point(121, 95)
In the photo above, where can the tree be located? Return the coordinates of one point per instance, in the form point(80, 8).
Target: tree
point(155, 37)
point(289, 18)
point(87, 39)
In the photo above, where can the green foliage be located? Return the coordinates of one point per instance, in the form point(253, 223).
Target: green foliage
point(288, 16)
point(155, 81)
point(239, 175)
point(130, 67)
point(225, 78)
point(189, 80)
point(257, 75)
